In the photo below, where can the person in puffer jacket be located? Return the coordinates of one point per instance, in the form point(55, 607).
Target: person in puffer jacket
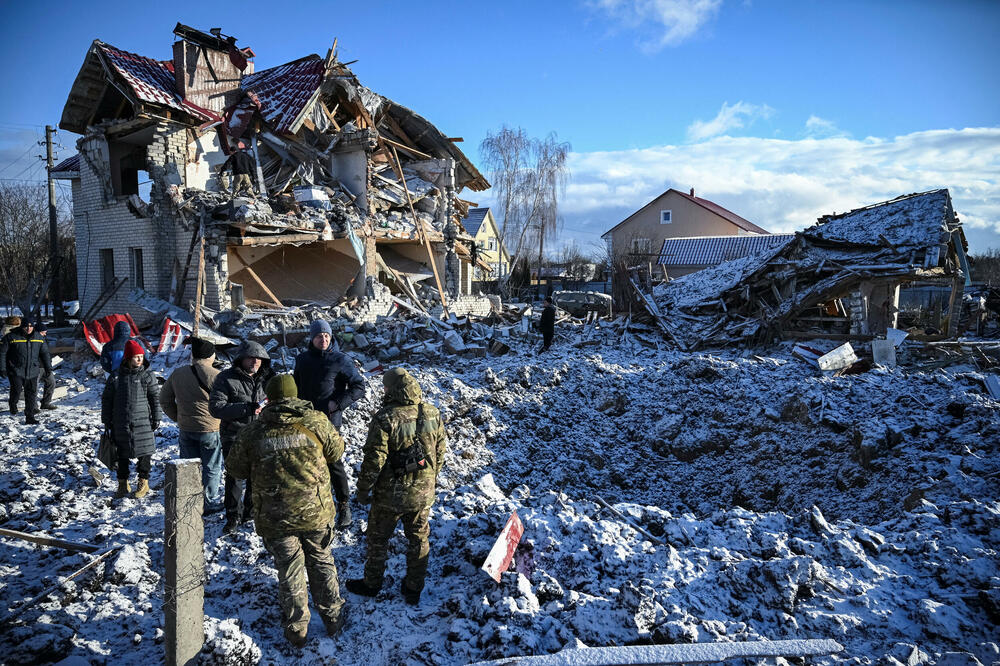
point(331, 382)
point(113, 352)
point(131, 409)
point(236, 399)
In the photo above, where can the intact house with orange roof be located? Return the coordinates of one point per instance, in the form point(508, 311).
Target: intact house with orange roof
point(638, 239)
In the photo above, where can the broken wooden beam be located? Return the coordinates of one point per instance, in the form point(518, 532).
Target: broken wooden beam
point(44, 540)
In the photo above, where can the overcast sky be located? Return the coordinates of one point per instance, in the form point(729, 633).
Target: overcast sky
point(780, 111)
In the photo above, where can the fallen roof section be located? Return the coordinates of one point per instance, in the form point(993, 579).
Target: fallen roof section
point(757, 297)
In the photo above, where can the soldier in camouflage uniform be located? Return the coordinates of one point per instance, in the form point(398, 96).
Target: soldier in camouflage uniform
point(286, 454)
point(403, 454)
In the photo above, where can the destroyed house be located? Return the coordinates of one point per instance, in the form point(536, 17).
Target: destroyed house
point(353, 189)
point(840, 277)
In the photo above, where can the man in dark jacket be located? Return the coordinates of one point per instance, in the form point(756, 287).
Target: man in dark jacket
point(287, 453)
point(48, 378)
point(331, 382)
point(242, 165)
point(23, 356)
point(236, 398)
point(114, 351)
point(547, 323)
point(131, 409)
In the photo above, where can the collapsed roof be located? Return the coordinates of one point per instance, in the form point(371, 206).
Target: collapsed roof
point(796, 286)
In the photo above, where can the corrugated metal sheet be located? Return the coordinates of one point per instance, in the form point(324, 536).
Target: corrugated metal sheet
point(713, 250)
point(284, 91)
point(474, 220)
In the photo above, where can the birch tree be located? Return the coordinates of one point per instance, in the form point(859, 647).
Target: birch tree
point(528, 175)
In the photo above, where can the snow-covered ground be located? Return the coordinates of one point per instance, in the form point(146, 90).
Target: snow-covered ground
point(782, 504)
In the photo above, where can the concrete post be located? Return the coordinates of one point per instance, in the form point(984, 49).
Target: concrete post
point(184, 557)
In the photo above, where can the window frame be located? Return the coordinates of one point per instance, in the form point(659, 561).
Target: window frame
point(107, 255)
point(669, 216)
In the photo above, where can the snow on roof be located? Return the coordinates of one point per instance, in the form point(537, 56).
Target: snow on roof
point(285, 90)
point(711, 250)
point(918, 220)
point(474, 220)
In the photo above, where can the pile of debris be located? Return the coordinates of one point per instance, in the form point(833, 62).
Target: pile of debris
point(840, 277)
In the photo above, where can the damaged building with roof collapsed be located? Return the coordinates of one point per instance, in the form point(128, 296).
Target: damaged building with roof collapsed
point(840, 278)
point(357, 195)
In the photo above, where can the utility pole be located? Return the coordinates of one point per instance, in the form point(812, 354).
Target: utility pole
point(55, 289)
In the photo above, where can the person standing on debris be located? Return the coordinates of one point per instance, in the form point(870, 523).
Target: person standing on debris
point(331, 382)
point(23, 356)
point(184, 398)
point(236, 399)
point(547, 323)
point(49, 376)
point(114, 351)
point(242, 164)
point(286, 455)
point(404, 454)
point(130, 408)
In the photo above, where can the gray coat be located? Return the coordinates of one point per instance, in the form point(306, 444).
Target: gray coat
point(130, 407)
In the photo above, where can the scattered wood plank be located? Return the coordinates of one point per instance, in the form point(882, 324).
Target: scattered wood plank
point(49, 541)
point(55, 587)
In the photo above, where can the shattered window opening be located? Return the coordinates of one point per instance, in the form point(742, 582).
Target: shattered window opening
point(107, 268)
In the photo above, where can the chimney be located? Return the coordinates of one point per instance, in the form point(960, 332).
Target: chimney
point(692, 191)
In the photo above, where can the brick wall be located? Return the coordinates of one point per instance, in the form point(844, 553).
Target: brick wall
point(103, 221)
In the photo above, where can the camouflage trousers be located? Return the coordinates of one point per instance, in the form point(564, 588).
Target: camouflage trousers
point(381, 524)
point(243, 183)
point(296, 557)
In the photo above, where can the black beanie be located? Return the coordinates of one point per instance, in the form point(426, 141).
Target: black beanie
point(201, 349)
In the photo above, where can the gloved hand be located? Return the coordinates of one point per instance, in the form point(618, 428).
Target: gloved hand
point(364, 496)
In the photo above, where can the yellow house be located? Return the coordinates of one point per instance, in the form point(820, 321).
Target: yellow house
point(482, 226)
point(674, 214)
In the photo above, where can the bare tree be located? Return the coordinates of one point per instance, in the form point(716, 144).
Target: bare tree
point(985, 267)
point(529, 176)
point(24, 247)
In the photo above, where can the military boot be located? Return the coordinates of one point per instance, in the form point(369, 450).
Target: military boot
point(411, 597)
point(142, 489)
point(333, 627)
point(358, 586)
point(296, 638)
point(123, 489)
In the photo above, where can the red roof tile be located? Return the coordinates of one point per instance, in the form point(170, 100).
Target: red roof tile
point(284, 91)
point(152, 80)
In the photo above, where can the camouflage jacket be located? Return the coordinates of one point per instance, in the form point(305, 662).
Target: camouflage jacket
point(286, 454)
point(393, 428)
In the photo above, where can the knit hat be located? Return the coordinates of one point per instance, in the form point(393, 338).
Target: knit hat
point(200, 348)
point(133, 348)
point(319, 326)
point(281, 386)
point(41, 327)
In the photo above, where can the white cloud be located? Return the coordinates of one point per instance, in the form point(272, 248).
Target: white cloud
point(785, 185)
point(728, 118)
point(820, 127)
point(660, 23)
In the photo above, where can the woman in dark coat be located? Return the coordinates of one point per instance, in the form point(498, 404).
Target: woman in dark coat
point(130, 407)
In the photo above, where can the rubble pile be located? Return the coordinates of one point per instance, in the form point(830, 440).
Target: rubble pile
point(840, 276)
point(751, 498)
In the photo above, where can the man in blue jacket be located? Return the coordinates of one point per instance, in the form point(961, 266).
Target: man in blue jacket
point(331, 382)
